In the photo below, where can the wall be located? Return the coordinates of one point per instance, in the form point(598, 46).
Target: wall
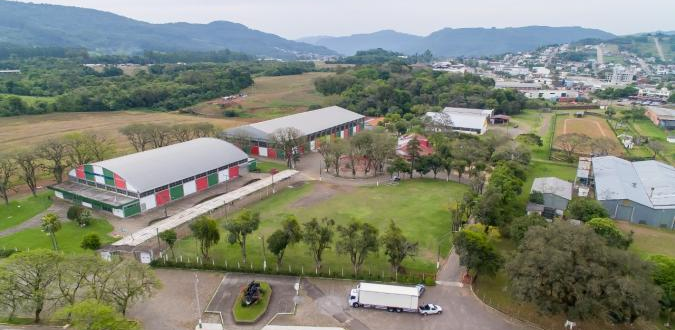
point(555, 201)
point(638, 213)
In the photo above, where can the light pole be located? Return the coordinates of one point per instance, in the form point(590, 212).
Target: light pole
point(262, 238)
point(199, 309)
point(438, 256)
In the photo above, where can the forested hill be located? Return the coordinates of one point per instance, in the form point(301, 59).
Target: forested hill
point(461, 42)
point(50, 25)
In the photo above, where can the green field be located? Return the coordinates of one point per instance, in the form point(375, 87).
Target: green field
point(649, 240)
point(267, 166)
point(68, 238)
point(545, 168)
point(647, 128)
point(419, 207)
point(19, 211)
point(251, 314)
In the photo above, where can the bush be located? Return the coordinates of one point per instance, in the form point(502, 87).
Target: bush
point(91, 242)
point(74, 212)
point(536, 197)
point(585, 209)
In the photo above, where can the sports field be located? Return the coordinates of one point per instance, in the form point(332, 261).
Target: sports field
point(591, 126)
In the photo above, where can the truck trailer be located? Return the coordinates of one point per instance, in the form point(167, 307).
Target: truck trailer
point(393, 298)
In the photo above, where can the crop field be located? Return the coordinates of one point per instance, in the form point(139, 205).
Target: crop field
point(419, 208)
point(22, 131)
point(593, 127)
point(272, 97)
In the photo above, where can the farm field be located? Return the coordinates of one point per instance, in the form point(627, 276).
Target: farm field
point(594, 127)
point(272, 97)
point(418, 207)
point(68, 238)
point(24, 131)
point(19, 211)
point(649, 240)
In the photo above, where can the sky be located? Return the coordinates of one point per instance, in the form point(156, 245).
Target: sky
point(300, 18)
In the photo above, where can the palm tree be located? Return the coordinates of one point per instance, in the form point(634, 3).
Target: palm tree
point(51, 224)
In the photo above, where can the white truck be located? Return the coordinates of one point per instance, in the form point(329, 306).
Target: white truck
point(393, 298)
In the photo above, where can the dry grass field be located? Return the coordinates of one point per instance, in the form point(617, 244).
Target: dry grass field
point(272, 97)
point(26, 131)
point(593, 127)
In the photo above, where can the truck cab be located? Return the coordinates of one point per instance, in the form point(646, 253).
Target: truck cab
point(354, 298)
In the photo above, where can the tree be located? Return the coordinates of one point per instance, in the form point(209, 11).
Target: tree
point(570, 143)
point(290, 233)
point(519, 226)
point(35, 272)
point(50, 225)
point(29, 163)
point(318, 236)
point(422, 165)
point(536, 197)
point(91, 314)
point(664, 277)
point(55, 152)
point(238, 228)
point(413, 152)
point(205, 230)
point(397, 166)
point(567, 268)
point(585, 209)
point(138, 136)
point(132, 282)
point(477, 252)
point(10, 299)
point(99, 147)
point(79, 214)
point(397, 247)
point(72, 274)
point(608, 230)
point(7, 171)
point(91, 242)
point(169, 237)
point(290, 140)
point(333, 150)
point(357, 240)
point(435, 163)
point(602, 146)
point(200, 130)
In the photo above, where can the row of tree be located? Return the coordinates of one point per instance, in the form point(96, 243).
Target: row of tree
point(54, 156)
point(152, 135)
point(374, 148)
point(356, 239)
point(38, 280)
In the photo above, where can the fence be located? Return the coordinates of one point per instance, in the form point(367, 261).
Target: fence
point(326, 271)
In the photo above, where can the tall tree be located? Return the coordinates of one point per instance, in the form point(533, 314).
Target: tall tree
point(55, 152)
point(664, 276)
point(72, 274)
point(397, 247)
point(160, 135)
point(205, 230)
point(414, 153)
point(570, 143)
point(35, 272)
point(585, 209)
point(569, 269)
point(138, 135)
point(10, 297)
point(519, 226)
point(7, 171)
point(50, 225)
point(133, 281)
point(99, 146)
point(29, 163)
point(200, 130)
point(290, 140)
point(169, 237)
point(318, 236)
point(477, 252)
point(290, 233)
point(357, 240)
point(240, 227)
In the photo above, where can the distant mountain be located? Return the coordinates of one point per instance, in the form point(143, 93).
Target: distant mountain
point(461, 42)
point(50, 25)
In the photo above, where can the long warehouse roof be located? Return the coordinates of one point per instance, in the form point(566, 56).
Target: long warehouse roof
point(307, 122)
point(157, 167)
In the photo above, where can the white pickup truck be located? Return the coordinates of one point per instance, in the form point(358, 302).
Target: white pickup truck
point(394, 298)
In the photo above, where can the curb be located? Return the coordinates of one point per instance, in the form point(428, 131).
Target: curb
point(510, 318)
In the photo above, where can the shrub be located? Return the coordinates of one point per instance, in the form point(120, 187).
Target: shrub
point(91, 242)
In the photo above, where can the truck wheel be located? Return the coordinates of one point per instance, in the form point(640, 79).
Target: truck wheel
point(355, 305)
point(399, 310)
point(389, 309)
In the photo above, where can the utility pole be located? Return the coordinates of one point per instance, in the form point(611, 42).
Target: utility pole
point(199, 309)
point(262, 238)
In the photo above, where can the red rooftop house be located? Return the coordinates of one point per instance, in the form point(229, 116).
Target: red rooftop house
point(402, 146)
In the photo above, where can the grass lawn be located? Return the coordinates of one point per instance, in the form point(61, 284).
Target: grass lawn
point(252, 313)
point(649, 240)
point(647, 128)
point(419, 207)
point(68, 238)
point(542, 168)
point(532, 121)
point(19, 211)
point(267, 166)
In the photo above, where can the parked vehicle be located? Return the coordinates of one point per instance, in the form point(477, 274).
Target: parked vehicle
point(430, 309)
point(393, 298)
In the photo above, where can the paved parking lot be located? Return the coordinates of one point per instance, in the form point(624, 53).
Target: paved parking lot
point(283, 293)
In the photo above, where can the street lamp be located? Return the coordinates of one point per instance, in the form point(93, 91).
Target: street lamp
point(438, 256)
point(262, 238)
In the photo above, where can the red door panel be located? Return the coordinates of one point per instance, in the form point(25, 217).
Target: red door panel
point(202, 183)
point(162, 197)
point(233, 172)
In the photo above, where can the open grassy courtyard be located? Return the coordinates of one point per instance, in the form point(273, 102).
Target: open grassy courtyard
point(18, 211)
point(419, 207)
point(68, 238)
